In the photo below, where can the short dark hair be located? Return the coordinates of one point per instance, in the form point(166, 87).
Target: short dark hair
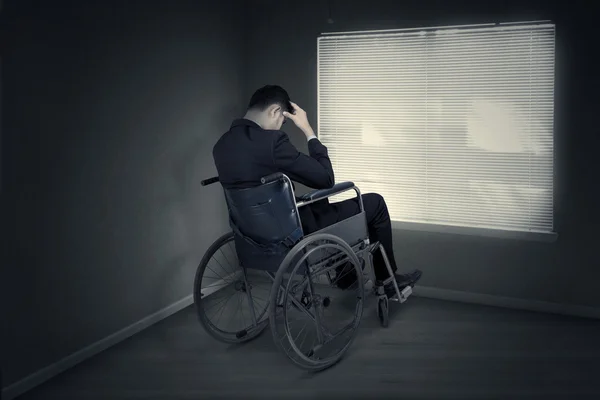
point(269, 95)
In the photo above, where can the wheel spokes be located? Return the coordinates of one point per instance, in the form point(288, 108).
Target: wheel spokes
point(234, 300)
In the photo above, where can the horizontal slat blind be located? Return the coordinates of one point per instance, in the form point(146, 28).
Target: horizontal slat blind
point(451, 126)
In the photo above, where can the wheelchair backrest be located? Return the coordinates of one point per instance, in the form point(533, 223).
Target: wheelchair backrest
point(265, 214)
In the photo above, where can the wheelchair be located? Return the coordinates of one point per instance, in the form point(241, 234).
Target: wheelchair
point(277, 271)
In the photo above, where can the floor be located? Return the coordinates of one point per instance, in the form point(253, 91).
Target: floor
point(431, 350)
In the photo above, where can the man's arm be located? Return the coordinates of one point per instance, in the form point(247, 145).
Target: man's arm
point(314, 171)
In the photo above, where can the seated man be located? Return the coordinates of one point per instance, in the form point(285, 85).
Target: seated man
point(255, 147)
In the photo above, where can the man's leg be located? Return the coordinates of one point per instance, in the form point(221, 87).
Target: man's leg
point(379, 227)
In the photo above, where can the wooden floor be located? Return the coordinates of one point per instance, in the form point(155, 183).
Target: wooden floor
point(431, 350)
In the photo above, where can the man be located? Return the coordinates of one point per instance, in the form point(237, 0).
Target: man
point(255, 147)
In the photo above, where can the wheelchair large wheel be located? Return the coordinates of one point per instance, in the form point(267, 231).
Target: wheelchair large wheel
point(231, 301)
point(314, 294)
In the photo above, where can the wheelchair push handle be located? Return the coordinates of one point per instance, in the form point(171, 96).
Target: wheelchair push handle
point(271, 178)
point(209, 181)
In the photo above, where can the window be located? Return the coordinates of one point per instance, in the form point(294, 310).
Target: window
point(453, 126)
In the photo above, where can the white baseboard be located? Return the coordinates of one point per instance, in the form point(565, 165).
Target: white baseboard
point(507, 302)
point(37, 378)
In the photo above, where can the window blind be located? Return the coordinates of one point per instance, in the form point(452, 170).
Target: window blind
point(453, 126)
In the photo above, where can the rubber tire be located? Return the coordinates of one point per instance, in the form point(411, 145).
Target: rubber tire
point(383, 311)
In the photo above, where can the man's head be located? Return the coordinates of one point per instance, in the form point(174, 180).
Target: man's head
point(267, 106)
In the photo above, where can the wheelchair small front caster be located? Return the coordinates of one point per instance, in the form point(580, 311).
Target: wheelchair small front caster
point(383, 311)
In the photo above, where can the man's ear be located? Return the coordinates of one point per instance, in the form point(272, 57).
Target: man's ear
point(273, 110)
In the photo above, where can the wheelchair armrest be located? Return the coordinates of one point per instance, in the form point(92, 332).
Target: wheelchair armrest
point(271, 178)
point(323, 193)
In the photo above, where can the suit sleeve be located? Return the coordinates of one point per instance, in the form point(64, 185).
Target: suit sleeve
point(314, 171)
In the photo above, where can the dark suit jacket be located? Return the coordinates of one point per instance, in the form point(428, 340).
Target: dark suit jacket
point(246, 153)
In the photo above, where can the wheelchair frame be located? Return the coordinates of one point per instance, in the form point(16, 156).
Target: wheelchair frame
point(352, 239)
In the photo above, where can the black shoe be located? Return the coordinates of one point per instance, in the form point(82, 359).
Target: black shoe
point(403, 280)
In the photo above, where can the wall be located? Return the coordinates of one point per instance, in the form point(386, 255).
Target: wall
point(110, 113)
point(283, 44)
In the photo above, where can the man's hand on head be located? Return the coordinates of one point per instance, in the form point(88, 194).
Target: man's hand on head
point(300, 120)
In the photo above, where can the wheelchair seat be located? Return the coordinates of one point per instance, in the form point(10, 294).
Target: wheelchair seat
point(265, 223)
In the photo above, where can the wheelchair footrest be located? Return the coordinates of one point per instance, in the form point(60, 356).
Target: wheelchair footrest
point(404, 294)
